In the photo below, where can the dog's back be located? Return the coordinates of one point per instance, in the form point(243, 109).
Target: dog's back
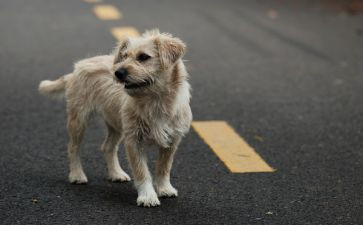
point(83, 71)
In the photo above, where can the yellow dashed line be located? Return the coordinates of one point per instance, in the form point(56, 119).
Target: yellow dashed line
point(231, 149)
point(93, 1)
point(107, 12)
point(120, 32)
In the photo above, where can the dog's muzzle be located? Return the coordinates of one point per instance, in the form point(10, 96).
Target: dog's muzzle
point(123, 76)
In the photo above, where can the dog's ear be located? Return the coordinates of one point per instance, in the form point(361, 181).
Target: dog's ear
point(120, 48)
point(170, 49)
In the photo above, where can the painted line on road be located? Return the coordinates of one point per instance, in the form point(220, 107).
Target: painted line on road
point(93, 1)
point(107, 12)
point(120, 32)
point(232, 150)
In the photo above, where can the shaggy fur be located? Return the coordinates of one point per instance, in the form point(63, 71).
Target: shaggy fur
point(147, 106)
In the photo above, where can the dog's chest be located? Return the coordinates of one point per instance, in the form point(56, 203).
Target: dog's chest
point(152, 123)
point(157, 130)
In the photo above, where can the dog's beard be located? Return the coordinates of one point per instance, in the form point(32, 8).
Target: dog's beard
point(137, 92)
point(138, 87)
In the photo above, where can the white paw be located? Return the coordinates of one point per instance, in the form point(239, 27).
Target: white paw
point(149, 200)
point(147, 195)
point(166, 191)
point(77, 178)
point(119, 177)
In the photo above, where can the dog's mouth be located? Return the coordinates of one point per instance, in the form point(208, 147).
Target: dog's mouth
point(133, 85)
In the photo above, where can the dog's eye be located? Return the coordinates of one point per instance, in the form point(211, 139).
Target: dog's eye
point(143, 57)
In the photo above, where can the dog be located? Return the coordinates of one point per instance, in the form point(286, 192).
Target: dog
point(141, 90)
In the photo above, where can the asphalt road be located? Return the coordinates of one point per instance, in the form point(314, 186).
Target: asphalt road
point(287, 76)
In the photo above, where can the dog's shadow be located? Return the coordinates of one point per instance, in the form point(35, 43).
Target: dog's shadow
point(98, 190)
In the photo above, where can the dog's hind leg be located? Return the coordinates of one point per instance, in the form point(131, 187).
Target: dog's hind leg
point(163, 168)
point(109, 148)
point(76, 128)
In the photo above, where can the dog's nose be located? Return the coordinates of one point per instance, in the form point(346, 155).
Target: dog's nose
point(121, 74)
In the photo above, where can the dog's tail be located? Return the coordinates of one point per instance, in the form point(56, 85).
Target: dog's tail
point(54, 88)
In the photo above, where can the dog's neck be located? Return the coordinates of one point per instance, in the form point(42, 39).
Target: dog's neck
point(165, 100)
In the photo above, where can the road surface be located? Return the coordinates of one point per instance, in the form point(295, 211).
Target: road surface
point(287, 76)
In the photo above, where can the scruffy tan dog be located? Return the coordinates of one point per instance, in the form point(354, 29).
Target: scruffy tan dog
point(142, 92)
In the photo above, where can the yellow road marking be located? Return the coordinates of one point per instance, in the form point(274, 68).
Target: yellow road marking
point(107, 12)
point(121, 32)
point(231, 149)
point(92, 1)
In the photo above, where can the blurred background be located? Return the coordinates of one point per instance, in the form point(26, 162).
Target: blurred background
point(287, 75)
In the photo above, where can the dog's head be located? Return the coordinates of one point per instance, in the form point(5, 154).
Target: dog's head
point(143, 64)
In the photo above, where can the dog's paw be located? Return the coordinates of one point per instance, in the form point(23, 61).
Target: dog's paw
point(150, 200)
point(119, 177)
point(77, 178)
point(166, 191)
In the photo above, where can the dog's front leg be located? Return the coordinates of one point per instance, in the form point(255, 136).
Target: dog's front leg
point(163, 168)
point(143, 182)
